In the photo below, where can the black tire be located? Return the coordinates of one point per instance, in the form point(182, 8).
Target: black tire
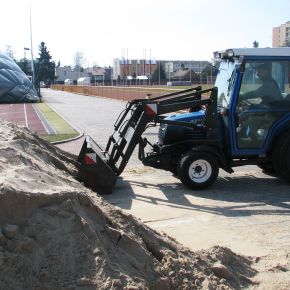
point(281, 157)
point(198, 170)
point(267, 168)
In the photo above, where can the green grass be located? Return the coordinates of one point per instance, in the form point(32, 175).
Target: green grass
point(57, 122)
point(58, 137)
point(63, 130)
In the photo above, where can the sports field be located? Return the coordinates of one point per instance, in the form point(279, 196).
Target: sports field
point(40, 119)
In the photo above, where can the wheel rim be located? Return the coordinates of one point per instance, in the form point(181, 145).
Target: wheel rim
point(200, 171)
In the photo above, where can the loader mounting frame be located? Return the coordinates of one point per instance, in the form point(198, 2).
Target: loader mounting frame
point(99, 168)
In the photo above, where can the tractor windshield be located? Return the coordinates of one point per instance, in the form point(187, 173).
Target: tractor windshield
point(224, 82)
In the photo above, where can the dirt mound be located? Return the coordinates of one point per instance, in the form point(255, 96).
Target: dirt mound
point(57, 234)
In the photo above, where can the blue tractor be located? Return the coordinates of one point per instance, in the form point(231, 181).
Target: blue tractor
point(243, 120)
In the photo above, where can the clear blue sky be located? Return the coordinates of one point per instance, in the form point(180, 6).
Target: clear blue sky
point(107, 29)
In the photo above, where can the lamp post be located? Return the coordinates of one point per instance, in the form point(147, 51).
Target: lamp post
point(32, 64)
point(31, 49)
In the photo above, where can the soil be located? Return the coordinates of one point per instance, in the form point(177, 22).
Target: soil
point(57, 234)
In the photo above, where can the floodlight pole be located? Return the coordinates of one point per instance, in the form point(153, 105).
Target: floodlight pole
point(190, 71)
point(31, 49)
point(150, 67)
point(159, 71)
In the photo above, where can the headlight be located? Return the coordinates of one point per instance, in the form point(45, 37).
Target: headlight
point(230, 53)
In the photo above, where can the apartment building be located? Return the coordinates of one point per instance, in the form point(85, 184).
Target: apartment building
point(281, 35)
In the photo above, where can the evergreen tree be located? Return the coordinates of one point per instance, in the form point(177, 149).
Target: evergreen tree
point(25, 65)
point(45, 67)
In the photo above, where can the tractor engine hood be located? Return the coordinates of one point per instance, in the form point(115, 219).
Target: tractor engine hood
point(169, 134)
point(193, 117)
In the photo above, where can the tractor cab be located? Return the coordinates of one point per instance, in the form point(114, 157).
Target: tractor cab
point(253, 97)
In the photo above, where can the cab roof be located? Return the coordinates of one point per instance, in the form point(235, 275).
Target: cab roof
point(237, 52)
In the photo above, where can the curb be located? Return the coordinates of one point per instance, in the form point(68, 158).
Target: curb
point(81, 134)
point(68, 140)
point(73, 126)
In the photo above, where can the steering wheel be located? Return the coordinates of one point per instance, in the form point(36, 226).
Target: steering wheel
point(243, 105)
point(245, 102)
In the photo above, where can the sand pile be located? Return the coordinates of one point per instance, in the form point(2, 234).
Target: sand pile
point(56, 234)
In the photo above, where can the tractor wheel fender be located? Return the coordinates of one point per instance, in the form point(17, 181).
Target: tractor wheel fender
point(212, 150)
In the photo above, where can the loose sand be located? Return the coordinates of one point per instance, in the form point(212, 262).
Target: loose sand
point(57, 234)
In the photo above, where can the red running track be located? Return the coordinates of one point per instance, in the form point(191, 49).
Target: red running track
point(22, 114)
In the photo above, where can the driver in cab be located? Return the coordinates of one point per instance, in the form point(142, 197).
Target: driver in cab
point(268, 91)
point(265, 96)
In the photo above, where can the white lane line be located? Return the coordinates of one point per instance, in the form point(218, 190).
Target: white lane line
point(50, 130)
point(26, 121)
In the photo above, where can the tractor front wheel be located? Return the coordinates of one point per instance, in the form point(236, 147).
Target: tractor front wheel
point(198, 170)
point(268, 169)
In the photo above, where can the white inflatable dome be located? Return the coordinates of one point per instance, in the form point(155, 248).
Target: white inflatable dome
point(15, 87)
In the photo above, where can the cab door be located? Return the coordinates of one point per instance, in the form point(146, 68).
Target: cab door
point(253, 119)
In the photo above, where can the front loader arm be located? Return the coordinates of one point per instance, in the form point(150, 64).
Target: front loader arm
point(95, 163)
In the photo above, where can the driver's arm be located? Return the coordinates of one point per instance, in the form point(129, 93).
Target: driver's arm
point(246, 96)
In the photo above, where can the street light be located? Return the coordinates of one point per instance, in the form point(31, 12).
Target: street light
point(31, 49)
point(32, 63)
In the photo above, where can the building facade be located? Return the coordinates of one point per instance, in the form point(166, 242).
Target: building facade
point(96, 74)
point(126, 69)
point(281, 35)
point(67, 72)
point(133, 68)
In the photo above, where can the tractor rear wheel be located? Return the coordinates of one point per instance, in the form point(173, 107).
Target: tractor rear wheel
point(281, 157)
point(198, 170)
point(267, 168)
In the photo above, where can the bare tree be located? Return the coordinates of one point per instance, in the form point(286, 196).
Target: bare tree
point(79, 60)
point(10, 51)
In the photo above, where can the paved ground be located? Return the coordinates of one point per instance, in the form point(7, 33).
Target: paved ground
point(247, 211)
point(94, 116)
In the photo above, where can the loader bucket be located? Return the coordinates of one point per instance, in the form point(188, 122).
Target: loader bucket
point(94, 170)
